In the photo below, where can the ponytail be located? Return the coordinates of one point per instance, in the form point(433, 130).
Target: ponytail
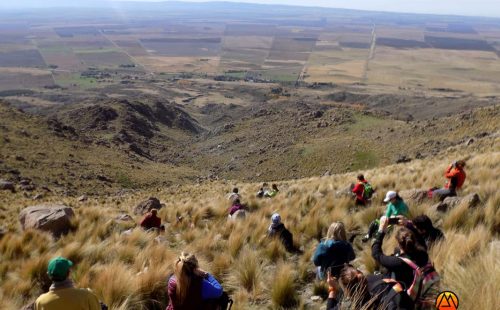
point(408, 242)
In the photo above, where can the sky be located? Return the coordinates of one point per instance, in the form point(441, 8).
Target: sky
point(454, 7)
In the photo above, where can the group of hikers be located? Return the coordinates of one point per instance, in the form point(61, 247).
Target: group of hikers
point(406, 278)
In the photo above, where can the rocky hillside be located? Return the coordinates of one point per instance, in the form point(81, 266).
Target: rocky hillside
point(145, 143)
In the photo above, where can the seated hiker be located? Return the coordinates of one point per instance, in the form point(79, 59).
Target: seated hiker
point(395, 207)
point(234, 195)
point(362, 292)
point(262, 191)
point(403, 267)
point(456, 177)
point(190, 287)
point(363, 191)
point(272, 192)
point(151, 221)
point(62, 293)
point(236, 207)
point(278, 230)
point(425, 232)
point(334, 251)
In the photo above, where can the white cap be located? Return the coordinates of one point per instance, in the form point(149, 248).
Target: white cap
point(390, 195)
point(276, 218)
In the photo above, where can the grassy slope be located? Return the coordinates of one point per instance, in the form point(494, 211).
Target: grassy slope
point(128, 272)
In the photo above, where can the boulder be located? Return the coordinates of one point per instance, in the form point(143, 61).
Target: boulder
point(414, 195)
point(7, 186)
point(345, 192)
point(146, 206)
point(124, 218)
point(82, 198)
point(52, 218)
point(471, 201)
point(403, 159)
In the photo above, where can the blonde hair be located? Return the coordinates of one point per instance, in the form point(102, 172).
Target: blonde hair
point(336, 231)
point(184, 269)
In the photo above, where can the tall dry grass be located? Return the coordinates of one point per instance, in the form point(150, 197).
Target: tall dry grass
point(130, 272)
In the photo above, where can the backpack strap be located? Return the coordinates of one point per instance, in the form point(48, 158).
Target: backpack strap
point(409, 262)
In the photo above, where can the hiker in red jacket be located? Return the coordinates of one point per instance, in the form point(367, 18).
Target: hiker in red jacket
point(151, 221)
point(456, 177)
point(363, 191)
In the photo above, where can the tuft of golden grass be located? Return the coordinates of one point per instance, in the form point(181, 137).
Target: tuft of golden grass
point(284, 293)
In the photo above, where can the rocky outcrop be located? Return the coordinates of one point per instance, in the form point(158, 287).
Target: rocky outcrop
point(146, 206)
point(345, 192)
point(7, 186)
point(52, 218)
point(124, 218)
point(415, 196)
point(471, 201)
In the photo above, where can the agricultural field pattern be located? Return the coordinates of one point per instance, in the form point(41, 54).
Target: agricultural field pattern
point(253, 43)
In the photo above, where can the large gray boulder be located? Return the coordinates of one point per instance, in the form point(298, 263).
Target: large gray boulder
point(52, 218)
point(414, 196)
point(471, 201)
point(345, 192)
point(146, 206)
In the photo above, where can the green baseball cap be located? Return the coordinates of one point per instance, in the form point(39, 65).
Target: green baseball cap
point(58, 268)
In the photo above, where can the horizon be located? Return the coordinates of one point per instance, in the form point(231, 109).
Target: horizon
point(481, 8)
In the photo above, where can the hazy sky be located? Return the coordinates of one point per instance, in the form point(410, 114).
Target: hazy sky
point(455, 7)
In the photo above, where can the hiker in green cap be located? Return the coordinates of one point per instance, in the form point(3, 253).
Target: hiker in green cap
point(63, 295)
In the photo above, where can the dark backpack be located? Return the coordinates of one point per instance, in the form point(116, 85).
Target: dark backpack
point(224, 302)
point(389, 294)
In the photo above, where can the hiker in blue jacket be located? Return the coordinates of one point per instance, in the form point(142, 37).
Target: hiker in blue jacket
point(333, 252)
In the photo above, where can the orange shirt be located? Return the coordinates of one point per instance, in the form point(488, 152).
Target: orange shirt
point(456, 176)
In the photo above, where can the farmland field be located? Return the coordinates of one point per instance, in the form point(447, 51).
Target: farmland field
point(342, 47)
point(24, 78)
point(21, 58)
point(105, 58)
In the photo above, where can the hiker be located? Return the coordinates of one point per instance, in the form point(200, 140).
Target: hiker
point(456, 175)
point(151, 221)
point(262, 191)
point(362, 292)
point(236, 207)
point(62, 293)
point(272, 192)
point(234, 195)
point(363, 191)
point(425, 232)
point(395, 207)
point(278, 230)
point(333, 252)
point(411, 262)
point(190, 287)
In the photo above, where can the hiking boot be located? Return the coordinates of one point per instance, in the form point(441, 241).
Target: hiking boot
point(366, 238)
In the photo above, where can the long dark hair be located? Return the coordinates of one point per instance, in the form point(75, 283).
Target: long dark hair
point(408, 242)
